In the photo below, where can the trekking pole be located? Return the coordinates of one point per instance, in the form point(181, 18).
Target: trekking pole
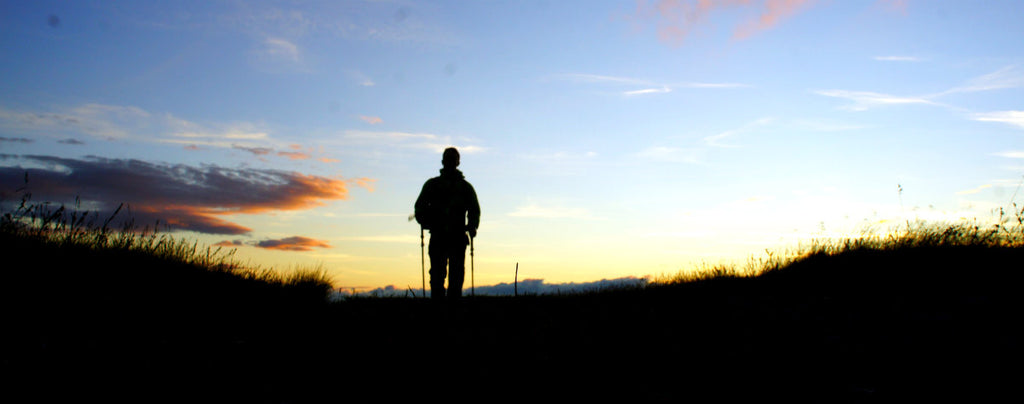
point(472, 268)
point(423, 265)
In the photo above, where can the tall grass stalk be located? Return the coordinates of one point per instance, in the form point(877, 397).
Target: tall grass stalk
point(59, 227)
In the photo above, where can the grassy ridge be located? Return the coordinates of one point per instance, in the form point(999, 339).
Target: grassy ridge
point(925, 313)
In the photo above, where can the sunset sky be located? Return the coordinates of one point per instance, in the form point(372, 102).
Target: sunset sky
point(605, 139)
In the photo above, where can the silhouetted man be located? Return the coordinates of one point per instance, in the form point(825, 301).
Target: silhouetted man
point(447, 206)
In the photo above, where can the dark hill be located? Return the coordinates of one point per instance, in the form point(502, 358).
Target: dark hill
point(912, 324)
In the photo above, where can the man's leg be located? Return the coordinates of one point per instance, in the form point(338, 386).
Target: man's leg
point(456, 268)
point(438, 267)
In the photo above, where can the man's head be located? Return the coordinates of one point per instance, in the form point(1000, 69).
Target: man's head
point(450, 158)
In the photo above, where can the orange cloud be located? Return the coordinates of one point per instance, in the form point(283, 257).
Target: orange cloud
point(366, 183)
point(190, 218)
point(295, 155)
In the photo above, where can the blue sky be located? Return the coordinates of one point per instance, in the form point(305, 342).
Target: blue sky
point(605, 139)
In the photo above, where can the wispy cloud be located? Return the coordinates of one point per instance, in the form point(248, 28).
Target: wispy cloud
point(710, 85)
point(282, 49)
point(975, 190)
point(1004, 78)
point(864, 100)
point(360, 78)
point(663, 89)
point(171, 129)
point(559, 156)
point(372, 120)
point(1013, 154)
point(403, 239)
point(716, 140)
point(180, 196)
point(597, 78)
point(395, 139)
point(818, 126)
point(1015, 118)
point(128, 123)
point(694, 153)
point(669, 154)
point(562, 162)
point(898, 58)
point(294, 243)
point(646, 87)
point(97, 120)
point(120, 122)
point(257, 151)
point(537, 211)
point(295, 154)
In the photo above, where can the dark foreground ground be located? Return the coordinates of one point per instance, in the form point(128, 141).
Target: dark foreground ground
point(917, 326)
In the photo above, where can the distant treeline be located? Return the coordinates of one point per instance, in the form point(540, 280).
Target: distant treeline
point(525, 287)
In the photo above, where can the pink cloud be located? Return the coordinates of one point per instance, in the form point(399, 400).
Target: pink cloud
point(372, 120)
point(676, 19)
point(773, 12)
point(230, 243)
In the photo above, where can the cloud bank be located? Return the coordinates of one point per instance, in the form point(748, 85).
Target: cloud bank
point(180, 197)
